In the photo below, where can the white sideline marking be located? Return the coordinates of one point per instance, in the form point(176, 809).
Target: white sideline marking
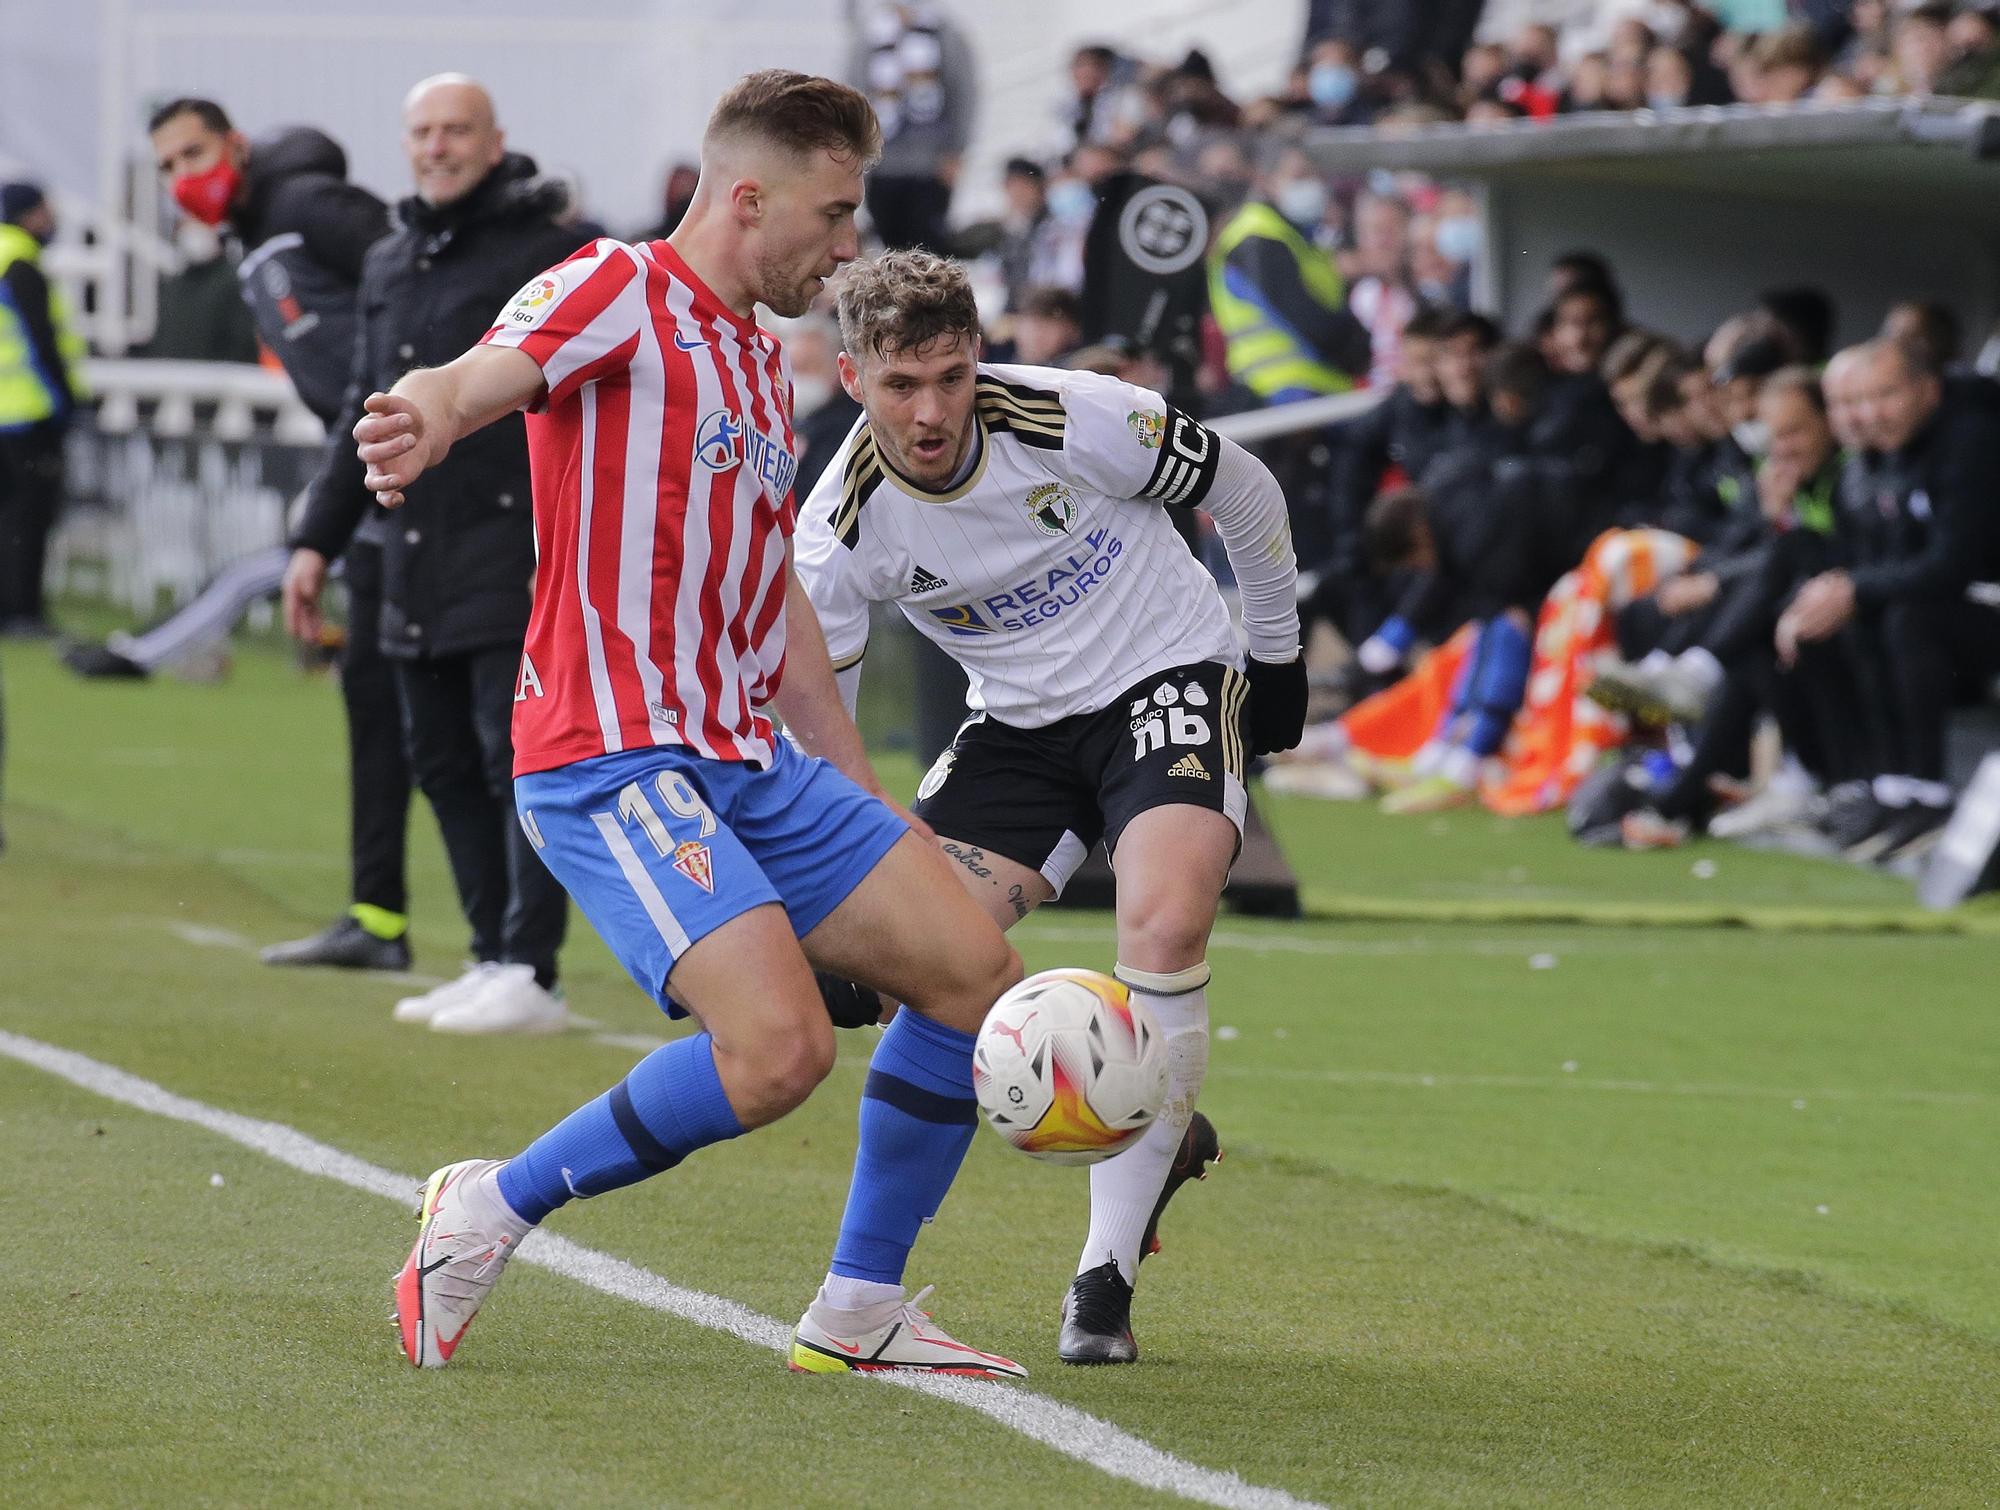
point(1038, 931)
point(210, 938)
point(1065, 1429)
point(1577, 1083)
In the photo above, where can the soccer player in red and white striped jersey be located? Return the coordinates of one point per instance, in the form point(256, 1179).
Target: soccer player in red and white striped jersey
point(720, 863)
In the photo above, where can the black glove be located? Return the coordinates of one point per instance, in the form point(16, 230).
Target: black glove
point(849, 1005)
point(1277, 704)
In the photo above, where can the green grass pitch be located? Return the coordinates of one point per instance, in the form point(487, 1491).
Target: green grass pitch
point(1691, 1214)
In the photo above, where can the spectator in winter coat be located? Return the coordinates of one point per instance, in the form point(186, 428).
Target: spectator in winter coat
point(458, 562)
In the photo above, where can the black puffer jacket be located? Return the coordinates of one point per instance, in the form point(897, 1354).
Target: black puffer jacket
point(460, 554)
point(304, 230)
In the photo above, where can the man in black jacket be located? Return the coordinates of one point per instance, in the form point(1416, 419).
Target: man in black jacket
point(457, 568)
point(1395, 440)
point(1924, 532)
point(301, 230)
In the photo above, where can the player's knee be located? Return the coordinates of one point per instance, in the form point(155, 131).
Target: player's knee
point(1165, 934)
point(785, 1069)
point(986, 970)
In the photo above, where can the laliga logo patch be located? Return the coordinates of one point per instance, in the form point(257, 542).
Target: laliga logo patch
point(1149, 427)
point(718, 443)
point(1053, 508)
point(532, 303)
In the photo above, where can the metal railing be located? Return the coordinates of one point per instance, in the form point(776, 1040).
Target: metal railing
point(185, 467)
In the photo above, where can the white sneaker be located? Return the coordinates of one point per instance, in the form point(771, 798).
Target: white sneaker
point(1333, 781)
point(1780, 804)
point(450, 994)
point(451, 1270)
point(897, 1335)
point(506, 1001)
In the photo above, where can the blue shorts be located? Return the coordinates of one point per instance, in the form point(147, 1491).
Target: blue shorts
point(662, 846)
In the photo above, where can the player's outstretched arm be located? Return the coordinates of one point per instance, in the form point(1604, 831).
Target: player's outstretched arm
point(809, 701)
point(1248, 508)
point(406, 431)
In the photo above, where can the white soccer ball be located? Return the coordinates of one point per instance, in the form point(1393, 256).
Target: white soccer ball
point(1069, 1068)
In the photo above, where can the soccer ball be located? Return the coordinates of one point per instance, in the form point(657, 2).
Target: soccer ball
point(1069, 1068)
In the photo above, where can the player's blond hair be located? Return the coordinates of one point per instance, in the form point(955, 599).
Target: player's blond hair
point(903, 301)
point(798, 112)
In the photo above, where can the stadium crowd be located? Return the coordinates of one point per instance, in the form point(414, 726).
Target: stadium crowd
point(1542, 547)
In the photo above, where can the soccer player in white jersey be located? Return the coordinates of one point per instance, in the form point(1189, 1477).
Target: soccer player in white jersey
point(715, 859)
point(1017, 516)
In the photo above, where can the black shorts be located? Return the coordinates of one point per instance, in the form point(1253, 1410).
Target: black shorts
point(1043, 797)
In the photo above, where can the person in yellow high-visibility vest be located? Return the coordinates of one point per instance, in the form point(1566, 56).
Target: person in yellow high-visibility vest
point(1279, 299)
point(41, 382)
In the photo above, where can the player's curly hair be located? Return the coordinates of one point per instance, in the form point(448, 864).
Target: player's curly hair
point(800, 111)
point(903, 301)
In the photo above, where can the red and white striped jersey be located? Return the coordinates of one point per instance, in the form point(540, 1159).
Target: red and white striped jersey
point(663, 461)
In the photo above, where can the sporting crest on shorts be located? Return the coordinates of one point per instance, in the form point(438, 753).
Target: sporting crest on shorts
point(1053, 508)
point(1149, 427)
point(691, 859)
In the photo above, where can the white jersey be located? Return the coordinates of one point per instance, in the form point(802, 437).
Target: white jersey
point(1051, 574)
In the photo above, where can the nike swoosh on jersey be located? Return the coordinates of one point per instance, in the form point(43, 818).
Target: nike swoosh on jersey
point(695, 345)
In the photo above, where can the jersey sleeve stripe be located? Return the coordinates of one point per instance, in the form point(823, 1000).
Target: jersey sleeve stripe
point(862, 476)
point(596, 279)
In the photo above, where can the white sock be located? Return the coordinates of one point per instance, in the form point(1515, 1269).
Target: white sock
point(1124, 1187)
point(845, 1293)
point(858, 1305)
point(1427, 760)
point(491, 1207)
point(1325, 741)
point(1459, 766)
point(1892, 791)
point(1791, 776)
point(1701, 664)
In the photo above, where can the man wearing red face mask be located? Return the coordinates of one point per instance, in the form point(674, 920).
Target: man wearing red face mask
point(301, 231)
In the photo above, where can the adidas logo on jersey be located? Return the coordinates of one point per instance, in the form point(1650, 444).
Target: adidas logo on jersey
point(1189, 765)
point(922, 581)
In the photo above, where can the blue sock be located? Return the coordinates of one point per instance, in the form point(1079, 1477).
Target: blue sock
point(917, 1120)
point(1498, 684)
point(669, 1105)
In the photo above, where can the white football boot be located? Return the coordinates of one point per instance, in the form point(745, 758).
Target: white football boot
point(507, 1001)
point(457, 1260)
point(423, 1008)
point(893, 1336)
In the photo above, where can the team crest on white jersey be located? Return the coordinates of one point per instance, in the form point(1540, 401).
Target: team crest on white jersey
point(1053, 508)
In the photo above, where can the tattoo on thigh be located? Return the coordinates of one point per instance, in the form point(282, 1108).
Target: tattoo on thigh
point(1018, 900)
point(972, 858)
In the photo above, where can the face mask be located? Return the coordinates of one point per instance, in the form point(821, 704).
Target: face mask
point(1072, 202)
point(809, 395)
point(1331, 85)
point(206, 195)
point(1458, 237)
point(1754, 436)
point(1302, 201)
